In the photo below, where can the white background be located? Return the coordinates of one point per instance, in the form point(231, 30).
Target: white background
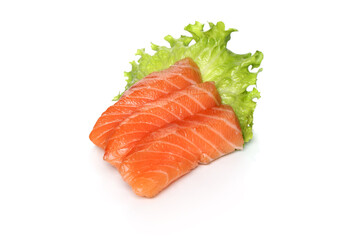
point(61, 63)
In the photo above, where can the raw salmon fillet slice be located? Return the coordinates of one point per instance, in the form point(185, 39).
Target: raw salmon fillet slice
point(154, 115)
point(157, 84)
point(169, 153)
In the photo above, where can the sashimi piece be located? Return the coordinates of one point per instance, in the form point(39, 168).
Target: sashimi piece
point(157, 84)
point(154, 115)
point(172, 151)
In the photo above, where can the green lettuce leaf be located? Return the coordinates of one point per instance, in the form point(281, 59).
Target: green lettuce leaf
point(230, 71)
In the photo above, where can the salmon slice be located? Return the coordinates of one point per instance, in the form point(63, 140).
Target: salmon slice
point(154, 115)
point(157, 84)
point(169, 153)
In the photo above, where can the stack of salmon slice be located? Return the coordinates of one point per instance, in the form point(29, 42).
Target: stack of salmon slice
point(164, 126)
